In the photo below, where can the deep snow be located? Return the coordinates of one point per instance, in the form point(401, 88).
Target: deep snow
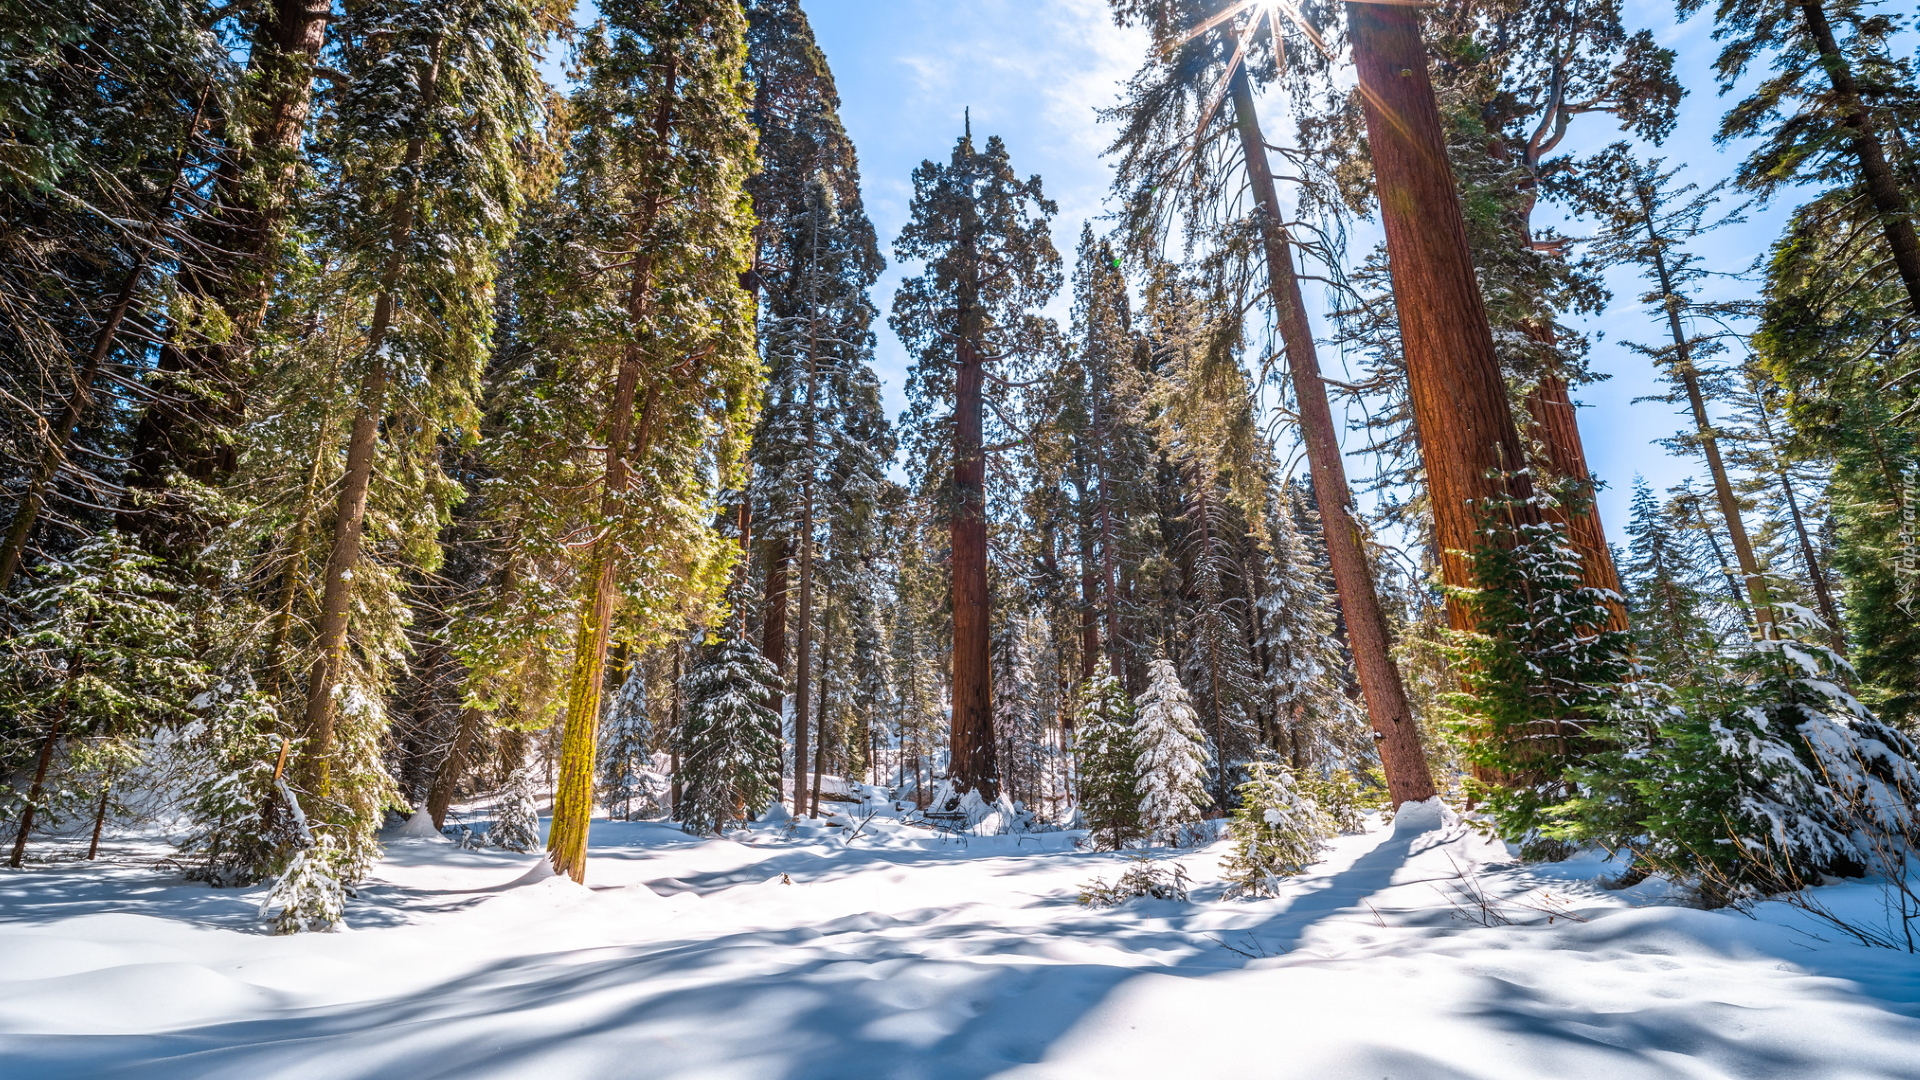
point(902, 955)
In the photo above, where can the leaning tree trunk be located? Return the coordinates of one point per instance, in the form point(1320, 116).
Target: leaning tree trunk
point(1401, 753)
point(1883, 187)
point(39, 785)
point(1703, 430)
point(363, 444)
point(447, 779)
point(972, 765)
point(1469, 445)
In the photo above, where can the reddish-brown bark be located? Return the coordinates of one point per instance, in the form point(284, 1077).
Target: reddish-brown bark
point(1401, 753)
point(1469, 445)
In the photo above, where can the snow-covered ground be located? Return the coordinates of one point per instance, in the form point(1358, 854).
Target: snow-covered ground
point(897, 955)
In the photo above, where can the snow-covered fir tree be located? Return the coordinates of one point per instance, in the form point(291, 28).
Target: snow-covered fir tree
point(1763, 774)
point(516, 812)
point(1017, 697)
point(626, 748)
point(729, 741)
point(1539, 673)
point(1170, 756)
point(1310, 717)
point(1108, 764)
point(1665, 592)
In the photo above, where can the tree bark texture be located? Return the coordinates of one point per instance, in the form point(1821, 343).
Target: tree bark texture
point(1401, 753)
point(972, 765)
point(1557, 427)
point(39, 786)
point(256, 196)
point(1469, 445)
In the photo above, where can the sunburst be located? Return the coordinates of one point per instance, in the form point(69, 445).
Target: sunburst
point(1259, 14)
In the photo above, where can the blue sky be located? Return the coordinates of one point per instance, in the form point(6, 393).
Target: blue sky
point(1035, 72)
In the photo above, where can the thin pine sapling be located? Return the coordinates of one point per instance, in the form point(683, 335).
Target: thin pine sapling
point(1277, 831)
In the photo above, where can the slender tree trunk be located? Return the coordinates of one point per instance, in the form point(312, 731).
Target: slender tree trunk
point(1883, 187)
point(1709, 441)
point(1719, 556)
point(1816, 574)
point(39, 786)
point(971, 766)
point(803, 657)
point(773, 625)
point(820, 720)
point(674, 719)
point(100, 817)
point(446, 780)
point(363, 444)
point(1468, 442)
point(1401, 753)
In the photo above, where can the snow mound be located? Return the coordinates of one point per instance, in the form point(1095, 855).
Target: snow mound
point(1415, 818)
point(418, 827)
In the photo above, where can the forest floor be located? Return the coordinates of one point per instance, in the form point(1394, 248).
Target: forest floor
point(1410, 953)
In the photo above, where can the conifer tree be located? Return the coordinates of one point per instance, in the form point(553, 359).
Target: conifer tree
point(108, 111)
point(1170, 756)
point(1277, 831)
point(1671, 628)
point(1647, 222)
point(1108, 763)
point(1017, 702)
point(424, 189)
point(1303, 689)
point(1091, 455)
point(1179, 152)
point(1835, 110)
point(626, 746)
point(1539, 679)
point(189, 433)
point(817, 456)
point(980, 235)
point(638, 378)
point(102, 660)
point(730, 741)
point(1763, 774)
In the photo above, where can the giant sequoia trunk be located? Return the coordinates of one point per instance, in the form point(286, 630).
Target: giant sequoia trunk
point(1408, 779)
point(1557, 428)
point(1468, 443)
point(972, 766)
